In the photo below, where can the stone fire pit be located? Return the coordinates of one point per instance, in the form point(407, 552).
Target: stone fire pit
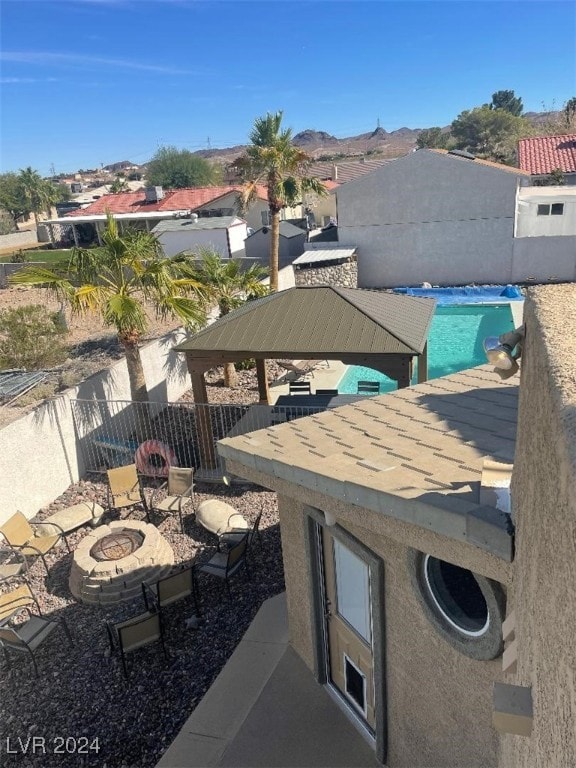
point(111, 563)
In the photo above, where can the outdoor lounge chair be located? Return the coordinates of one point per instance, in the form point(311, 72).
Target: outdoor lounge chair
point(179, 490)
point(368, 388)
point(226, 564)
point(331, 392)
point(27, 541)
point(177, 586)
point(27, 637)
point(125, 489)
point(306, 369)
point(136, 632)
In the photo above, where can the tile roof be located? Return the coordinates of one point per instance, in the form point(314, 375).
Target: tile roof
point(544, 154)
point(173, 200)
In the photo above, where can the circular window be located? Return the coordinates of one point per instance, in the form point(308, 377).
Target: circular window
point(467, 609)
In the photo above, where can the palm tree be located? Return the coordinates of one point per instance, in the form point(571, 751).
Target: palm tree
point(39, 194)
point(229, 286)
point(115, 281)
point(271, 159)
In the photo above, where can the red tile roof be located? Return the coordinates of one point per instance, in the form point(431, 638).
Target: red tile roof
point(544, 154)
point(173, 200)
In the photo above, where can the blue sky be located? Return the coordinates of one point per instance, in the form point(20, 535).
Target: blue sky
point(90, 82)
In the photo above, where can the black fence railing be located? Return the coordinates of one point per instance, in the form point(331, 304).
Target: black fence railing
point(112, 433)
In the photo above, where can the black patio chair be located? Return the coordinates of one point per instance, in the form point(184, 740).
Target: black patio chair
point(223, 565)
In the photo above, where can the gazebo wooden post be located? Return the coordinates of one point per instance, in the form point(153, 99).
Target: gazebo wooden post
point(203, 420)
point(423, 365)
point(261, 372)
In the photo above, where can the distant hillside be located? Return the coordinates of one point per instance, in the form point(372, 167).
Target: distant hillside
point(322, 145)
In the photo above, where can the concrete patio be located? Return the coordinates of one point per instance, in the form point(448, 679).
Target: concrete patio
point(266, 709)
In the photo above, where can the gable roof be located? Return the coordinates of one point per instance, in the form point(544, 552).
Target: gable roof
point(544, 154)
point(190, 198)
point(478, 161)
point(345, 171)
point(286, 230)
point(320, 319)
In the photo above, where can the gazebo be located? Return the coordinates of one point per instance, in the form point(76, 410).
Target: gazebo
point(377, 329)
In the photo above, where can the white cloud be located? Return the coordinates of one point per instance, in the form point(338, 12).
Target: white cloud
point(45, 58)
point(19, 80)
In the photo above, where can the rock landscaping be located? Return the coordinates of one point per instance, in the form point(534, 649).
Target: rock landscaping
point(81, 693)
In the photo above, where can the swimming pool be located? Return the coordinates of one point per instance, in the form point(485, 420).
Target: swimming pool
point(454, 344)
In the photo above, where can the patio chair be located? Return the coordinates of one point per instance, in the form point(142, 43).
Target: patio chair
point(299, 388)
point(223, 565)
point(17, 598)
point(27, 637)
point(27, 541)
point(368, 388)
point(179, 489)
point(233, 537)
point(125, 489)
point(136, 632)
point(331, 392)
point(171, 589)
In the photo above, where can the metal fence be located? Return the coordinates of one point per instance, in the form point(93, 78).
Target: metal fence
point(112, 433)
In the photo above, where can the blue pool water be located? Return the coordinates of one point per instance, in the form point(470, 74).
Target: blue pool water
point(454, 344)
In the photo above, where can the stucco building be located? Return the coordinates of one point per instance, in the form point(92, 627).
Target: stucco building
point(448, 218)
point(437, 606)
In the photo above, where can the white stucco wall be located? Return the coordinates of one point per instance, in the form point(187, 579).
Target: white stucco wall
point(530, 224)
point(176, 242)
point(39, 451)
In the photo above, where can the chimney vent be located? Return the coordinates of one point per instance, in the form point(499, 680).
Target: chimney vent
point(154, 194)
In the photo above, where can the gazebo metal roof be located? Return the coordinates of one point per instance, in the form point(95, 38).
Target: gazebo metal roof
point(318, 321)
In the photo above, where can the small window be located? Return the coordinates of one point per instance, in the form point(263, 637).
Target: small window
point(547, 209)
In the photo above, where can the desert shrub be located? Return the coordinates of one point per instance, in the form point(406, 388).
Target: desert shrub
point(246, 365)
point(40, 392)
point(19, 257)
point(30, 338)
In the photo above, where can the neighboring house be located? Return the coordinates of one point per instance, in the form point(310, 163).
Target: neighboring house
point(445, 218)
point(545, 224)
point(541, 156)
point(224, 234)
point(405, 547)
point(145, 208)
point(291, 244)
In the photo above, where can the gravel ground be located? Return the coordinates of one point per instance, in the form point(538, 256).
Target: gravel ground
point(81, 691)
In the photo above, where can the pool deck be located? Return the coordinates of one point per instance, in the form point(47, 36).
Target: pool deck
point(326, 375)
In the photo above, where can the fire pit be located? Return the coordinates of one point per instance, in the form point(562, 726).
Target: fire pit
point(111, 563)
